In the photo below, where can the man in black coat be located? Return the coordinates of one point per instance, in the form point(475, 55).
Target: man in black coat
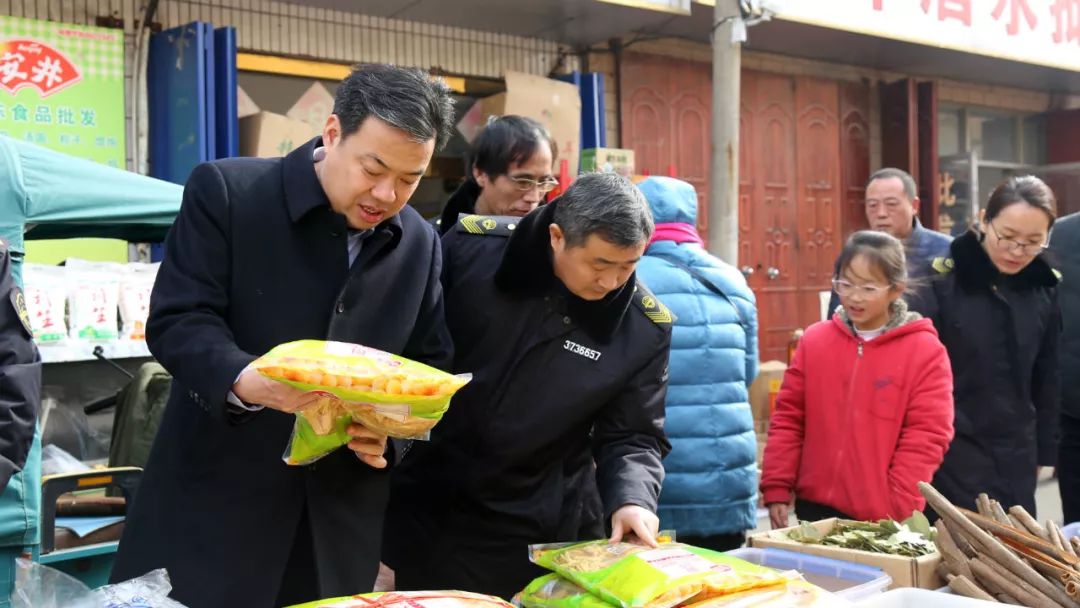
point(20, 375)
point(319, 245)
point(561, 429)
point(1065, 244)
point(511, 171)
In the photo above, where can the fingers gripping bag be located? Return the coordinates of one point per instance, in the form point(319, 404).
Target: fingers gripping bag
point(386, 393)
point(412, 599)
point(636, 576)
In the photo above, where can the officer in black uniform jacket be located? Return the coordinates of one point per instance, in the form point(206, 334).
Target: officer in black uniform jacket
point(561, 429)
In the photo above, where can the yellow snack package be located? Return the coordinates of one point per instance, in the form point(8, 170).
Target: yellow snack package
point(412, 599)
point(792, 594)
point(635, 576)
point(554, 591)
point(386, 393)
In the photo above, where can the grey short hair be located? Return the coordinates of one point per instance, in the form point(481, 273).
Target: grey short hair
point(910, 189)
point(404, 98)
point(607, 205)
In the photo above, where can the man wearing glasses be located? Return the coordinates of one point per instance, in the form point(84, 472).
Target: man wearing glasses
point(511, 171)
point(892, 206)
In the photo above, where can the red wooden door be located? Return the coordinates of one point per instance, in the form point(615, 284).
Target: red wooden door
point(817, 140)
point(899, 126)
point(667, 120)
point(792, 185)
point(928, 177)
point(854, 153)
point(768, 211)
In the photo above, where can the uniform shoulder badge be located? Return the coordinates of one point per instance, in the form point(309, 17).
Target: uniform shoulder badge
point(653, 308)
point(943, 265)
point(486, 225)
point(18, 301)
point(1057, 273)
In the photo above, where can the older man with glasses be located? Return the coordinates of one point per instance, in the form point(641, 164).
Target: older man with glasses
point(511, 171)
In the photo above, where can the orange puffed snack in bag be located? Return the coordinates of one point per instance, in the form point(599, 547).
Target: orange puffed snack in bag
point(386, 393)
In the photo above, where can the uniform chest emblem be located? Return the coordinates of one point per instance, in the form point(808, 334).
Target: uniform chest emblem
point(578, 349)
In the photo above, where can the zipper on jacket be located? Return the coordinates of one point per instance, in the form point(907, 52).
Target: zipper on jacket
point(849, 408)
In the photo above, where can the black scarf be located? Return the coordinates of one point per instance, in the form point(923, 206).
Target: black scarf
point(526, 270)
point(975, 270)
point(463, 200)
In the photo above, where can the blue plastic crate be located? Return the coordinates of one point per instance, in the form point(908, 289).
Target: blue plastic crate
point(1071, 530)
point(846, 580)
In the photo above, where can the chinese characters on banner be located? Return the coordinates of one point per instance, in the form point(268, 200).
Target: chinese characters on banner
point(62, 87)
point(1043, 32)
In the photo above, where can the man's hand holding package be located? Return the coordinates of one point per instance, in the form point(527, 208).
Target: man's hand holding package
point(254, 388)
point(369, 446)
point(639, 521)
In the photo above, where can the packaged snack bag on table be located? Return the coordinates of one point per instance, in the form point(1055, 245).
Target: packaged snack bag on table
point(386, 393)
point(412, 599)
point(629, 575)
point(791, 594)
point(554, 591)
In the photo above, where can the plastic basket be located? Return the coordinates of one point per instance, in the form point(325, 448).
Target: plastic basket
point(1071, 530)
point(853, 582)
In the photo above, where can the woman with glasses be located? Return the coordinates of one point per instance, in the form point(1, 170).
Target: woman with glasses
point(511, 171)
point(865, 410)
point(994, 302)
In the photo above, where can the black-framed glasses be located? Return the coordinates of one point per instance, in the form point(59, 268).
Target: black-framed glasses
point(847, 288)
point(1009, 244)
point(527, 183)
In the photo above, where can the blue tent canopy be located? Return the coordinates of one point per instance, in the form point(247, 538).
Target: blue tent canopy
point(47, 194)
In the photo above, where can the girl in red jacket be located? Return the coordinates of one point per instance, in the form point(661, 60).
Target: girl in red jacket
point(866, 408)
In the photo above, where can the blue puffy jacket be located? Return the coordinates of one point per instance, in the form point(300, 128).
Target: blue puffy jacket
point(711, 483)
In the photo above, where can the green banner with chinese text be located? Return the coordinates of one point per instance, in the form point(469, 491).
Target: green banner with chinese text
point(62, 87)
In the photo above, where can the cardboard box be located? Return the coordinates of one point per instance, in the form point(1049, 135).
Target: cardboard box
point(313, 107)
point(267, 135)
point(555, 104)
point(245, 106)
point(608, 160)
point(763, 392)
point(905, 571)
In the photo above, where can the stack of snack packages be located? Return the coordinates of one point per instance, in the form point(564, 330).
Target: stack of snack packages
point(88, 301)
point(601, 574)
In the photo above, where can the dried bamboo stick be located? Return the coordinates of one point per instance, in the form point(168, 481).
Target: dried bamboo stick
point(1005, 598)
point(958, 538)
point(1065, 544)
point(999, 513)
point(1045, 564)
point(993, 548)
point(982, 505)
point(962, 585)
point(1014, 585)
point(1020, 537)
point(951, 555)
point(1016, 523)
point(1055, 538)
point(1029, 522)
